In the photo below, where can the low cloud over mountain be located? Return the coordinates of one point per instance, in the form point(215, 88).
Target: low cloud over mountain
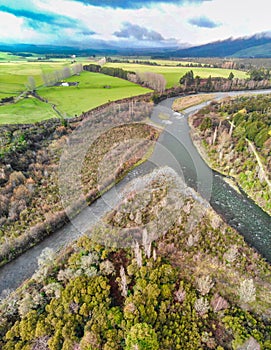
point(130, 30)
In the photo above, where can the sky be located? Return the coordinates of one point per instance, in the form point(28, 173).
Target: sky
point(131, 23)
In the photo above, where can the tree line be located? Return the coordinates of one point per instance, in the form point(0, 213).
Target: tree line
point(258, 79)
point(151, 80)
point(51, 78)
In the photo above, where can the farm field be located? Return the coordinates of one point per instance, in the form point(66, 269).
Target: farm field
point(162, 62)
point(70, 101)
point(14, 75)
point(6, 57)
point(94, 89)
point(27, 110)
point(173, 74)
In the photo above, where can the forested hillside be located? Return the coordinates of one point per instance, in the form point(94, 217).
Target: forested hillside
point(184, 281)
point(235, 137)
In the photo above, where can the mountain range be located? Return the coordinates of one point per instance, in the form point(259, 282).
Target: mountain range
point(256, 46)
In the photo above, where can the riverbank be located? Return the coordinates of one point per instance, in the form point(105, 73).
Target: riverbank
point(180, 253)
point(203, 152)
point(237, 210)
point(42, 213)
point(234, 157)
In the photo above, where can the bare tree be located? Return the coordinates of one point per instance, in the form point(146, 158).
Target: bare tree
point(247, 291)
point(231, 254)
point(138, 254)
point(133, 78)
point(77, 68)
point(250, 344)
point(180, 294)
point(201, 306)
point(31, 83)
point(152, 80)
point(58, 75)
point(204, 284)
point(45, 79)
point(107, 268)
point(218, 303)
point(146, 241)
point(66, 72)
point(53, 290)
point(123, 282)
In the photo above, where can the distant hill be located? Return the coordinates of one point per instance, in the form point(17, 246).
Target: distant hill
point(52, 49)
point(258, 45)
point(96, 49)
point(259, 51)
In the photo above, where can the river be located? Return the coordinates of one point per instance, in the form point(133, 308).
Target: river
point(175, 149)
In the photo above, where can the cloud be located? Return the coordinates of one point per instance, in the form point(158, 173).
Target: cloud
point(203, 22)
point(44, 21)
point(48, 18)
point(135, 4)
point(87, 32)
point(55, 26)
point(139, 33)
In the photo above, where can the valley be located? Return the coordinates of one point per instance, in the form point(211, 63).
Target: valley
point(111, 220)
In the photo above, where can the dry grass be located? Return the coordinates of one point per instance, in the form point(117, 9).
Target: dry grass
point(189, 101)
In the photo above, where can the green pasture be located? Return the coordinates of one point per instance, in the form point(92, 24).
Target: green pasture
point(6, 57)
point(27, 110)
point(14, 75)
point(173, 74)
point(94, 89)
point(168, 62)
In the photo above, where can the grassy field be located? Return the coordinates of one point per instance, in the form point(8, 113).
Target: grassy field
point(70, 101)
point(14, 75)
point(162, 62)
point(6, 57)
point(173, 74)
point(28, 110)
point(93, 90)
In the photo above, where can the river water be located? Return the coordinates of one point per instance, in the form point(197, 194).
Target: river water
point(175, 149)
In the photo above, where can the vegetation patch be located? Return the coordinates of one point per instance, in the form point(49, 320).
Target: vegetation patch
point(234, 137)
point(195, 285)
point(90, 92)
point(27, 110)
point(14, 75)
point(31, 206)
point(173, 74)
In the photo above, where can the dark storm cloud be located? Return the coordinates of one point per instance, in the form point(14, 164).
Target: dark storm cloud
point(139, 33)
point(203, 22)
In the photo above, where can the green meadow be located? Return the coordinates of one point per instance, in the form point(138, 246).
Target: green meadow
point(94, 89)
point(6, 57)
point(14, 75)
point(173, 74)
point(27, 110)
